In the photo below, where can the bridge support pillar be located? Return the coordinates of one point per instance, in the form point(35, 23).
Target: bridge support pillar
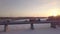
point(53, 25)
point(32, 27)
point(5, 28)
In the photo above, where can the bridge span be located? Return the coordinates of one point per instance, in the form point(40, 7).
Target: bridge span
point(6, 23)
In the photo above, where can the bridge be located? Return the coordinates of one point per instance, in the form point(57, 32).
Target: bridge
point(6, 23)
point(32, 20)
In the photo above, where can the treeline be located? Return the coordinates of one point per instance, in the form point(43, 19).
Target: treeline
point(54, 18)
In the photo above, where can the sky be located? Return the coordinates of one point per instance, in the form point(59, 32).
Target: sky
point(29, 8)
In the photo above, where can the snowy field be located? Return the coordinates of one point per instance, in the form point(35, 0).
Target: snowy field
point(25, 29)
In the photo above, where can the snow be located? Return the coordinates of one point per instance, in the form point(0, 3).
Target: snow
point(25, 29)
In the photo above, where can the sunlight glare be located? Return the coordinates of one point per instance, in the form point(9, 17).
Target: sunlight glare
point(54, 12)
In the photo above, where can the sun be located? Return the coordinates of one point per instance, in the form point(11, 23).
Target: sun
point(53, 12)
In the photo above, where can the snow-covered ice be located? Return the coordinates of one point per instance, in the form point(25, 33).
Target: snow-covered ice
point(25, 29)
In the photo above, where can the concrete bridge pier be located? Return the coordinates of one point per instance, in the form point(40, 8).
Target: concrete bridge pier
point(32, 27)
point(5, 27)
point(53, 25)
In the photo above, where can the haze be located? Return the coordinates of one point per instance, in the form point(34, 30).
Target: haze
point(28, 8)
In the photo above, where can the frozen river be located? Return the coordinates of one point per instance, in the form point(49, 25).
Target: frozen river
point(25, 29)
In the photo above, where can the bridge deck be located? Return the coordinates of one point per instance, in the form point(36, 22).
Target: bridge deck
point(25, 22)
